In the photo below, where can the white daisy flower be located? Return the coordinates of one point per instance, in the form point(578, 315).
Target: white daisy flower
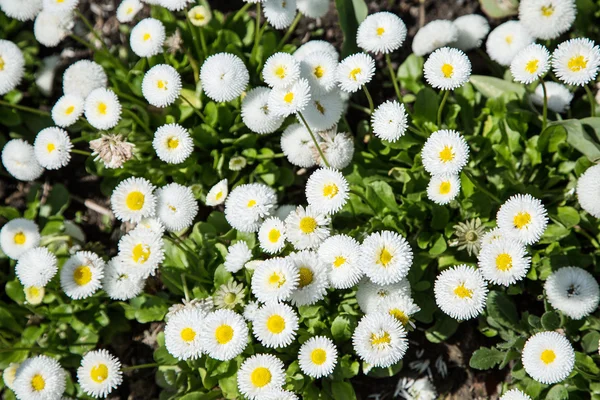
point(558, 96)
point(400, 306)
point(284, 101)
point(52, 148)
point(588, 187)
point(313, 8)
point(229, 295)
point(523, 217)
point(327, 190)
point(176, 206)
point(382, 32)
point(247, 205)
point(133, 199)
point(12, 66)
point(380, 340)
point(256, 114)
point(67, 110)
point(315, 46)
point(573, 291)
point(355, 71)
point(173, 143)
point(472, 29)
point(147, 37)
point(60, 6)
point(34, 295)
point(10, 373)
point(530, 64)
point(371, 297)
point(338, 149)
point(324, 110)
point(385, 257)
point(19, 235)
point(224, 335)
point(491, 236)
point(128, 9)
point(238, 255)
point(118, 284)
point(548, 357)
point(504, 261)
point(50, 28)
point(442, 189)
point(445, 152)
point(271, 235)
point(280, 394)
point(547, 19)
point(153, 225)
point(576, 61)
point(506, 40)
point(296, 144)
point(182, 333)
point(140, 253)
point(461, 292)
point(313, 282)
point(174, 5)
point(224, 77)
point(250, 310)
point(24, 10)
point(259, 374)
point(99, 373)
point(341, 255)
point(102, 108)
point(237, 163)
point(40, 378)
point(389, 121)
point(36, 267)
point(82, 77)
point(447, 68)
point(199, 16)
point(217, 194)
point(279, 13)
point(18, 157)
point(514, 394)
point(306, 228)
point(275, 325)
point(435, 34)
point(281, 70)
point(161, 85)
point(81, 274)
point(320, 69)
point(317, 357)
point(275, 280)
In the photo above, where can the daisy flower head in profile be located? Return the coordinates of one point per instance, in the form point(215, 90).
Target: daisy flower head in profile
point(224, 335)
point(52, 148)
point(36, 267)
point(530, 64)
point(281, 70)
point(380, 340)
point(18, 157)
point(176, 206)
point(271, 235)
point(559, 96)
point(588, 187)
point(140, 253)
point(445, 152)
point(279, 13)
point(442, 189)
point(102, 109)
point(523, 217)
point(324, 110)
point(327, 190)
point(128, 9)
point(67, 110)
point(40, 378)
point(504, 261)
point(576, 61)
point(99, 373)
point(296, 144)
point(292, 99)
point(548, 357)
point(182, 333)
point(390, 121)
point(341, 256)
point(547, 19)
point(147, 37)
point(313, 8)
point(199, 15)
point(573, 291)
point(133, 199)
point(50, 28)
point(19, 235)
point(514, 394)
point(306, 228)
point(315, 46)
point(81, 275)
point(382, 32)
point(238, 254)
point(10, 373)
point(320, 69)
point(224, 77)
point(491, 236)
point(82, 77)
point(370, 296)
point(317, 357)
point(256, 114)
point(247, 205)
point(161, 85)
point(435, 34)
point(217, 194)
point(447, 68)
point(24, 10)
point(313, 282)
point(118, 284)
point(174, 5)
point(386, 257)
point(275, 325)
point(259, 374)
point(400, 306)
point(275, 280)
point(355, 71)
point(338, 148)
point(472, 29)
point(152, 225)
point(506, 40)
point(60, 6)
point(173, 143)
point(461, 292)
point(12, 66)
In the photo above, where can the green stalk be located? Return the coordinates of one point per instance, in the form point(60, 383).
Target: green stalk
point(480, 187)
point(25, 108)
point(592, 100)
point(545, 110)
point(369, 98)
point(441, 108)
point(388, 60)
point(291, 29)
point(257, 31)
point(198, 112)
point(82, 152)
point(193, 29)
point(241, 12)
point(138, 121)
point(314, 140)
point(203, 41)
point(141, 366)
point(185, 288)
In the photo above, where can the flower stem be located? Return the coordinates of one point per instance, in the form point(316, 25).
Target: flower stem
point(441, 109)
point(360, 108)
point(139, 121)
point(257, 31)
point(193, 31)
point(97, 36)
point(203, 42)
point(480, 187)
point(363, 198)
point(290, 30)
point(592, 100)
point(185, 288)
point(314, 140)
point(369, 98)
point(545, 110)
point(388, 60)
point(141, 366)
point(82, 152)
point(241, 12)
point(25, 108)
point(198, 112)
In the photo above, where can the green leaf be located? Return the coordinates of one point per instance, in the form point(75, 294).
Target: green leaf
point(502, 309)
point(410, 73)
point(443, 328)
point(586, 366)
point(492, 87)
point(386, 194)
point(589, 342)
point(348, 18)
point(439, 246)
point(558, 392)
point(343, 390)
point(343, 326)
point(486, 358)
point(7, 321)
point(579, 138)
point(499, 9)
point(551, 320)
point(426, 105)
point(568, 216)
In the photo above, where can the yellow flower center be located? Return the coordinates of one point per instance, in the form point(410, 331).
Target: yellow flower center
point(224, 334)
point(445, 187)
point(306, 277)
point(509, 39)
point(141, 253)
point(446, 154)
point(548, 356)
point(504, 262)
point(320, 107)
point(462, 292)
point(102, 107)
point(289, 97)
point(187, 334)
point(380, 31)
point(50, 147)
point(129, 10)
point(274, 235)
point(1, 64)
point(173, 143)
point(330, 190)
point(380, 339)
point(198, 16)
point(161, 84)
point(33, 291)
point(99, 373)
point(447, 70)
point(319, 71)
point(229, 298)
point(172, 208)
point(280, 72)
point(385, 257)
point(135, 200)
point(318, 356)
point(82, 275)
point(260, 377)
point(577, 63)
point(532, 66)
point(276, 324)
point(146, 37)
point(308, 224)
point(38, 383)
point(70, 110)
point(522, 219)
point(19, 238)
point(251, 203)
point(548, 10)
point(276, 279)
point(399, 315)
point(219, 195)
point(339, 261)
point(354, 73)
